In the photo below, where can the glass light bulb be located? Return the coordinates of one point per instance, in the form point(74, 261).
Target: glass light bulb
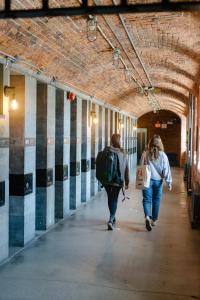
point(92, 29)
point(95, 121)
point(116, 56)
point(128, 75)
point(13, 104)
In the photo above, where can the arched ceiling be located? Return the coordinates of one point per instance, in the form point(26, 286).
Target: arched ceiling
point(167, 43)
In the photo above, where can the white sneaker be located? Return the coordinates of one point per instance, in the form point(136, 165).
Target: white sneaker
point(154, 223)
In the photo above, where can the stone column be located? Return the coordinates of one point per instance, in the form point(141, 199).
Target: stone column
point(128, 140)
point(62, 149)
point(94, 150)
point(85, 153)
point(124, 131)
point(107, 127)
point(103, 127)
point(45, 156)
point(4, 164)
point(75, 153)
point(111, 124)
point(22, 162)
point(132, 138)
point(135, 144)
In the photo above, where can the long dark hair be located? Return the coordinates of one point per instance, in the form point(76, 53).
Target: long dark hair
point(115, 140)
point(154, 146)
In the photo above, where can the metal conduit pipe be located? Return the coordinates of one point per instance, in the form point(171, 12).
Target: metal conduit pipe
point(98, 2)
point(121, 59)
point(153, 103)
point(125, 51)
point(134, 48)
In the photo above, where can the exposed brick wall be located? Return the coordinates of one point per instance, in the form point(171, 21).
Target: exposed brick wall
point(167, 43)
point(171, 136)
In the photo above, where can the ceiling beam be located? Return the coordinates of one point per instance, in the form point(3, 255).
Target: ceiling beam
point(84, 9)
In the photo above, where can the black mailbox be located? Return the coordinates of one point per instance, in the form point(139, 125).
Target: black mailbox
point(49, 176)
point(2, 193)
point(75, 168)
point(65, 172)
point(28, 184)
point(20, 184)
point(85, 165)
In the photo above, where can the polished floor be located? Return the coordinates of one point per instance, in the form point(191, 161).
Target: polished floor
point(80, 259)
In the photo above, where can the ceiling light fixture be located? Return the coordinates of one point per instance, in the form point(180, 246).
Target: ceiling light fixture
point(116, 57)
point(128, 75)
point(92, 28)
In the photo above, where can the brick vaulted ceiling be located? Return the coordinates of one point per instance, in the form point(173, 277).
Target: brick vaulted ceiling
point(167, 43)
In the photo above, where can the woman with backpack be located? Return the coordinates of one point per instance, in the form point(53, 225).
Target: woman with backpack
point(155, 157)
point(113, 189)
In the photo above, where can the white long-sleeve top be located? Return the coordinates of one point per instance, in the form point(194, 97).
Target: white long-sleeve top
point(159, 168)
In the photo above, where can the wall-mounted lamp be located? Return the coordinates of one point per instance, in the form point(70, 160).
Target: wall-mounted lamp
point(134, 127)
point(94, 117)
point(116, 56)
point(121, 124)
point(127, 74)
point(9, 91)
point(92, 28)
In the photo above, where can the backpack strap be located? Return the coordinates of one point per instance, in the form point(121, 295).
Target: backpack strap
point(125, 197)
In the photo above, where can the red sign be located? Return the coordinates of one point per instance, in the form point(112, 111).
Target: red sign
point(71, 96)
point(157, 124)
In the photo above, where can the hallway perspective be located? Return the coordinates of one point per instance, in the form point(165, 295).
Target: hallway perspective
point(80, 259)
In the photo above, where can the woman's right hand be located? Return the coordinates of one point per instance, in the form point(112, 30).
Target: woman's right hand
point(169, 187)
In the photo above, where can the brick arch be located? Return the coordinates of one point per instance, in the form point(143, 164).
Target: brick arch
point(167, 79)
point(168, 107)
point(174, 94)
point(171, 136)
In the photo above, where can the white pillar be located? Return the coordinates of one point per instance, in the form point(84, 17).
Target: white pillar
point(4, 164)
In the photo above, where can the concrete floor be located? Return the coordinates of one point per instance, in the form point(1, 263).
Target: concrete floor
point(80, 259)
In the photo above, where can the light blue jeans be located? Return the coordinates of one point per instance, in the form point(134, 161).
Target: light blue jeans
point(151, 198)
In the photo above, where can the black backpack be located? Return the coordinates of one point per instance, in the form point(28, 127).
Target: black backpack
point(107, 168)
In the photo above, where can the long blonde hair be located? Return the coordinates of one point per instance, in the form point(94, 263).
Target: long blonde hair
point(154, 146)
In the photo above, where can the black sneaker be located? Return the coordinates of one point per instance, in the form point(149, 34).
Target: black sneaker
point(110, 226)
point(148, 225)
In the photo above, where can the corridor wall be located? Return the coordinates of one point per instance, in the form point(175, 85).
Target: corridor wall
point(52, 146)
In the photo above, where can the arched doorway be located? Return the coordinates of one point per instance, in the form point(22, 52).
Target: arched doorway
point(168, 125)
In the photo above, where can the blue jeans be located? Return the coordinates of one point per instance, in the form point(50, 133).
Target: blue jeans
point(151, 199)
point(113, 193)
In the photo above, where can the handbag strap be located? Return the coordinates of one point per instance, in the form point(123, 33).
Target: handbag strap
point(146, 159)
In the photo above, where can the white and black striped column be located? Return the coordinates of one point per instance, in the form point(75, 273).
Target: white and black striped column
point(4, 163)
point(62, 150)
point(85, 152)
point(45, 156)
point(107, 127)
point(22, 161)
point(75, 153)
point(94, 149)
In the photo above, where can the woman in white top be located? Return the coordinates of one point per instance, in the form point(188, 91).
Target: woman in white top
point(158, 162)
